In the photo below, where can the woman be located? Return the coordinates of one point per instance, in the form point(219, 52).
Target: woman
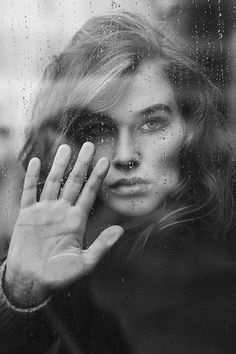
point(154, 164)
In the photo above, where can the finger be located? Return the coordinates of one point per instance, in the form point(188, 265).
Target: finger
point(91, 188)
point(101, 245)
point(53, 181)
point(30, 184)
point(77, 176)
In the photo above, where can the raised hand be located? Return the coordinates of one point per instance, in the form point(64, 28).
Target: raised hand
point(46, 247)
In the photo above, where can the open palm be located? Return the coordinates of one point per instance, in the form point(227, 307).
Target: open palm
point(46, 248)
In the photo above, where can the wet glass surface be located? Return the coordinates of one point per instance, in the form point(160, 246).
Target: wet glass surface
point(152, 293)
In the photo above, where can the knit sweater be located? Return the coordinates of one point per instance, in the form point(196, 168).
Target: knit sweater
point(175, 295)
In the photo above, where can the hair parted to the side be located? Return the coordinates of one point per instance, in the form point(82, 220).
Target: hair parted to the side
point(87, 77)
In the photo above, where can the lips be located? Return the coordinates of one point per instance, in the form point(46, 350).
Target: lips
point(129, 186)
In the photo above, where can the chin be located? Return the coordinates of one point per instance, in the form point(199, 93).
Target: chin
point(133, 209)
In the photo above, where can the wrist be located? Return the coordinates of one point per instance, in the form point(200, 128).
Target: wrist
point(22, 292)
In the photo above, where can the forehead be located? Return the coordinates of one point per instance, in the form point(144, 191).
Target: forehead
point(146, 88)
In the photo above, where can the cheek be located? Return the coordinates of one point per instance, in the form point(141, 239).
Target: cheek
point(163, 152)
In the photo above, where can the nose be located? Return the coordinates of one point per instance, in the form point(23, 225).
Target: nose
point(126, 155)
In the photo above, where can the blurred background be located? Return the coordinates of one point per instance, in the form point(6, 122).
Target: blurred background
point(32, 31)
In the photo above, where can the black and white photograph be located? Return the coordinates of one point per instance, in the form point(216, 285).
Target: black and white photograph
point(118, 177)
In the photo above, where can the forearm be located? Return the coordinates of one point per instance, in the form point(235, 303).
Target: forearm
point(22, 327)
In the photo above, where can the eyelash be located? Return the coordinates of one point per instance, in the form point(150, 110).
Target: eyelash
point(160, 121)
point(105, 130)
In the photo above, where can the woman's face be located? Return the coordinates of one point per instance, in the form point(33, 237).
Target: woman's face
point(141, 135)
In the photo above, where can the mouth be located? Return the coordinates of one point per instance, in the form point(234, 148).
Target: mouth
point(130, 186)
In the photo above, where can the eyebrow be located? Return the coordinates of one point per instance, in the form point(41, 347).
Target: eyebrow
point(156, 107)
point(87, 116)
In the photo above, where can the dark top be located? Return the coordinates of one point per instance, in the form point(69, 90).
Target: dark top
point(177, 294)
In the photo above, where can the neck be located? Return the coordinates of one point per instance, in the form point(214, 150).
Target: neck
point(103, 217)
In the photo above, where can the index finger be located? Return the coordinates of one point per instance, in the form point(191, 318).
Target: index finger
point(91, 188)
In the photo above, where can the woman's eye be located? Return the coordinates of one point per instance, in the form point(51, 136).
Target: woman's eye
point(152, 125)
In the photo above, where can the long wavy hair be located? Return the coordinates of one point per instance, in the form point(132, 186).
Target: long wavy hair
point(88, 77)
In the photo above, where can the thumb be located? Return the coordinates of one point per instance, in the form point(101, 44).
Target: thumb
point(103, 243)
